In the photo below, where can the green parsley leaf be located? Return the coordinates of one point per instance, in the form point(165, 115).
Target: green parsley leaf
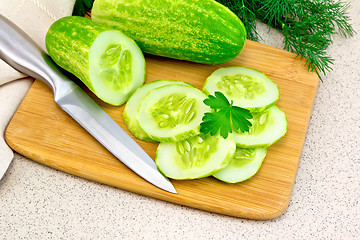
point(82, 6)
point(225, 118)
point(241, 115)
point(217, 101)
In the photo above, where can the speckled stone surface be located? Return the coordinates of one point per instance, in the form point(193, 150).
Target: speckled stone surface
point(37, 202)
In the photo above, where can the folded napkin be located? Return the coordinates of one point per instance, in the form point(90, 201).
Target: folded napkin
point(34, 17)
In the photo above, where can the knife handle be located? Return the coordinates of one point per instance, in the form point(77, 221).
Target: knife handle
point(22, 53)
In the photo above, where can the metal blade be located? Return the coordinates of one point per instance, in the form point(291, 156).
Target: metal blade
point(101, 126)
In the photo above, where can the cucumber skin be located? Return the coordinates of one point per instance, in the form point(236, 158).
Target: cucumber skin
point(68, 42)
point(202, 31)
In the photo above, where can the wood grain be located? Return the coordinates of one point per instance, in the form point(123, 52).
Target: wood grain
point(41, 131)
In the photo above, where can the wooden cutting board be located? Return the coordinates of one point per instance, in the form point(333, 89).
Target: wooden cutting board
point(41, 131)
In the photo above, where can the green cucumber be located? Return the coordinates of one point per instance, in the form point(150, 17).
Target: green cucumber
point(172, 113)
point(196, 157)
point(202, 31)
point(246, 87)
point(109, 63)
point(244, 165)
point(133, 105)
point(267, 128)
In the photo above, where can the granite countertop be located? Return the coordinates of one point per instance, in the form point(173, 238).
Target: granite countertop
point(38, 202)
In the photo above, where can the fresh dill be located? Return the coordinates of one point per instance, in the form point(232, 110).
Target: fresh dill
point(308, 26)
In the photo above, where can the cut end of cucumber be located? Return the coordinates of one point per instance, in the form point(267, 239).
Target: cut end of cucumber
point(195, 157)
point(172, 113)
point(247, 87)
point(244, 165)
point(116, 67)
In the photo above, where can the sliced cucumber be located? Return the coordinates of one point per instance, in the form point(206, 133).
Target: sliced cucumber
point(172, 113)
point(196, 157)
point(133, 104)
point(247, 87)
point(109, 63)
point(244, 165)
point(116, 66)
point(267, 128)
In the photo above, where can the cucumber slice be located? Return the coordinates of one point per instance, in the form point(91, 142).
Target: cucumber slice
point(133, 105)
point(172, 113)
point(267, 128)
point(247, 87)
point(116, 67)
point(244, 165)
point(196, 157)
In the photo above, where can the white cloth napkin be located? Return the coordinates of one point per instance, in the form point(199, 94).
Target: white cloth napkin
point(34, 17)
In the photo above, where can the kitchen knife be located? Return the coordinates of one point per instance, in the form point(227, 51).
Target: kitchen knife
point(23, 54)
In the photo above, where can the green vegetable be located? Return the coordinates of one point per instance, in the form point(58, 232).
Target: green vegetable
point(225, 117)
point(267, 128)
point(172, 113)
point(133, 105)
point(109, 63)
point(308, 26)
point(246, 87)
point(198, 31)
point(244, 165)
point(196, 157)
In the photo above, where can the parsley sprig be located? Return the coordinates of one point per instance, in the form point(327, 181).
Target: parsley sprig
point(225, 118)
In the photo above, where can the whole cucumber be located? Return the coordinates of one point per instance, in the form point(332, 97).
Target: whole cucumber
point(202, 31)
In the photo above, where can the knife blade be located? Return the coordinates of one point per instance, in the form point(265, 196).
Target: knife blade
point(23, 54)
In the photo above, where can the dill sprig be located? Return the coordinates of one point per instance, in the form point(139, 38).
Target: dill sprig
point(245, 10)
point(308, 26)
